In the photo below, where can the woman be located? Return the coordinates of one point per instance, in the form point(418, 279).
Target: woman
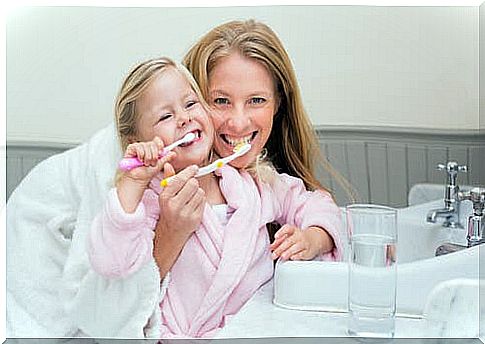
point(230, 64)
point(70, 299)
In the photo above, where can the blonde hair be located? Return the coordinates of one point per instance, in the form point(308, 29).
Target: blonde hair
point(134, 86)
point(292, 146)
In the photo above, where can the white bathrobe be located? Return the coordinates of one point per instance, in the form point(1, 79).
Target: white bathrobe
point(51, 289)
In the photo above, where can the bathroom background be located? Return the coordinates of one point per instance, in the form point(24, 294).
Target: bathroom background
point(391, 91)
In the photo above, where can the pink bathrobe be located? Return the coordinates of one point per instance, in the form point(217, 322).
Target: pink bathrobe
point(220, 267)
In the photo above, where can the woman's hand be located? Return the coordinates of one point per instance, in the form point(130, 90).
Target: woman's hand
point(182, 204)
point(295, 244)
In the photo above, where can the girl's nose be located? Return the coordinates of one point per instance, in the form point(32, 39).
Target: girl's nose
point(183, 119)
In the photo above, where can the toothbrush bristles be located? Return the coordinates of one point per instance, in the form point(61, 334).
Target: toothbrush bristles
point(238, 146)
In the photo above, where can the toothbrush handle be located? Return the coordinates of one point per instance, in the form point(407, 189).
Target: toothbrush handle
point(127, 164)
point(202, 172)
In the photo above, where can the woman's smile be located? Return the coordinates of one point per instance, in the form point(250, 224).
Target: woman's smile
point(242, 96)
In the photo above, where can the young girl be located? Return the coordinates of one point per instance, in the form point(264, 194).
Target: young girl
point(227, 257)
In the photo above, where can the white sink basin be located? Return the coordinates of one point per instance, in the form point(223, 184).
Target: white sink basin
point(312, 285)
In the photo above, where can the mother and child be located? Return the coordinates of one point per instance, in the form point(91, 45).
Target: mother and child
point(178, 261)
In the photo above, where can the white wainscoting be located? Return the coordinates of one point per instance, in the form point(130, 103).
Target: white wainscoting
point(381, 164)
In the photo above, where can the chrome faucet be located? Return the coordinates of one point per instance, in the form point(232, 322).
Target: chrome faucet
point(475, 220)
point(476, 223)
point(451, 211)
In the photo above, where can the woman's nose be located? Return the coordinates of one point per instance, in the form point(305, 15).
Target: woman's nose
point(238, 118)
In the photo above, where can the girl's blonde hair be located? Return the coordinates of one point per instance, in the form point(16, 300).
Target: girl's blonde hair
point(133, 87)
point(292, 146)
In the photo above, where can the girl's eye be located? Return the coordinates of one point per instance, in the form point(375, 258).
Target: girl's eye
point(165, 117)
point(190, 104)
point(221, 101)
point(257, 100)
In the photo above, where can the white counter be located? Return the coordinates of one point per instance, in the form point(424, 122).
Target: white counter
point(260, 318)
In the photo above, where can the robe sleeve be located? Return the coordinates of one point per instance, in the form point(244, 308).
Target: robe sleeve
point(120, 243)
point(296, 206)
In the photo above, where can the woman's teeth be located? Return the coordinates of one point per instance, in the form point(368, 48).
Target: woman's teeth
point(238, 141)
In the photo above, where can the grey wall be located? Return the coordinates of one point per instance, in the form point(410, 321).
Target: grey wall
point(381, 165)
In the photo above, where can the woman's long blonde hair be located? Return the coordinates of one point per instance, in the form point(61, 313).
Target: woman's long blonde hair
point(292, 146)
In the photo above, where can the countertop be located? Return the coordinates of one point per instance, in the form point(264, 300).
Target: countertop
point(260, 318)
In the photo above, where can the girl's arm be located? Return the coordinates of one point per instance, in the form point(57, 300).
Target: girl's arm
point(120, 242)
point(294, 243)
point(133, 183)
point(312, 222)
point(181, 205)
point(121, 235)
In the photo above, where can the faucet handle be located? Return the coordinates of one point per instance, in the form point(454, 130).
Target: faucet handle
point(452, 167)
point(477, 196)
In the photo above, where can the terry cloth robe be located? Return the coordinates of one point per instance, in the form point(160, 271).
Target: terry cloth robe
point(51, 290)
point(220, 267)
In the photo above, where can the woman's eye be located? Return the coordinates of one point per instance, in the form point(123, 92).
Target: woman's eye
point(257, 100)
point(221, 101)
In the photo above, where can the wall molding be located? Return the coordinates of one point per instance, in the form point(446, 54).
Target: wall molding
point(381, 163)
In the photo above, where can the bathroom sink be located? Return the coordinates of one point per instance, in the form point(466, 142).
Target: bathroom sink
point(322, 286)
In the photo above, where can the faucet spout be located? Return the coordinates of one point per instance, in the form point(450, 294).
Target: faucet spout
point(449, 214)
point(434, 214)
point(451, 210)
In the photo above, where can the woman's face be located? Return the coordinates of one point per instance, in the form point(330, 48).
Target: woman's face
point(170, 109)
point(242, 95)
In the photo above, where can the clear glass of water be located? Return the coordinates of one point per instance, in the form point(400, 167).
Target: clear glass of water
point(372, 231)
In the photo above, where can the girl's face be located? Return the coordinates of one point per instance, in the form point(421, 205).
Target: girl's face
point(170, 109)
point(242, 95)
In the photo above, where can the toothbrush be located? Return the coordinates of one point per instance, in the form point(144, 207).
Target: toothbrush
point(127, 164)
point(238, 151)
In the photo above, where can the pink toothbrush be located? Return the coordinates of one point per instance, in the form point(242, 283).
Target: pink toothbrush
point(127, 164)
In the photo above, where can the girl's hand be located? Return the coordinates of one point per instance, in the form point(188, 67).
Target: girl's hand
point(133, 183)
point(182, 204)
point(148, 153)
point(295, 244)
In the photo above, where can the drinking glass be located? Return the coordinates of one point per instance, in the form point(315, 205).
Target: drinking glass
point(372, 233)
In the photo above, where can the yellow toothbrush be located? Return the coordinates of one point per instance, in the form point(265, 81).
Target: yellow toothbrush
point(239, 150)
